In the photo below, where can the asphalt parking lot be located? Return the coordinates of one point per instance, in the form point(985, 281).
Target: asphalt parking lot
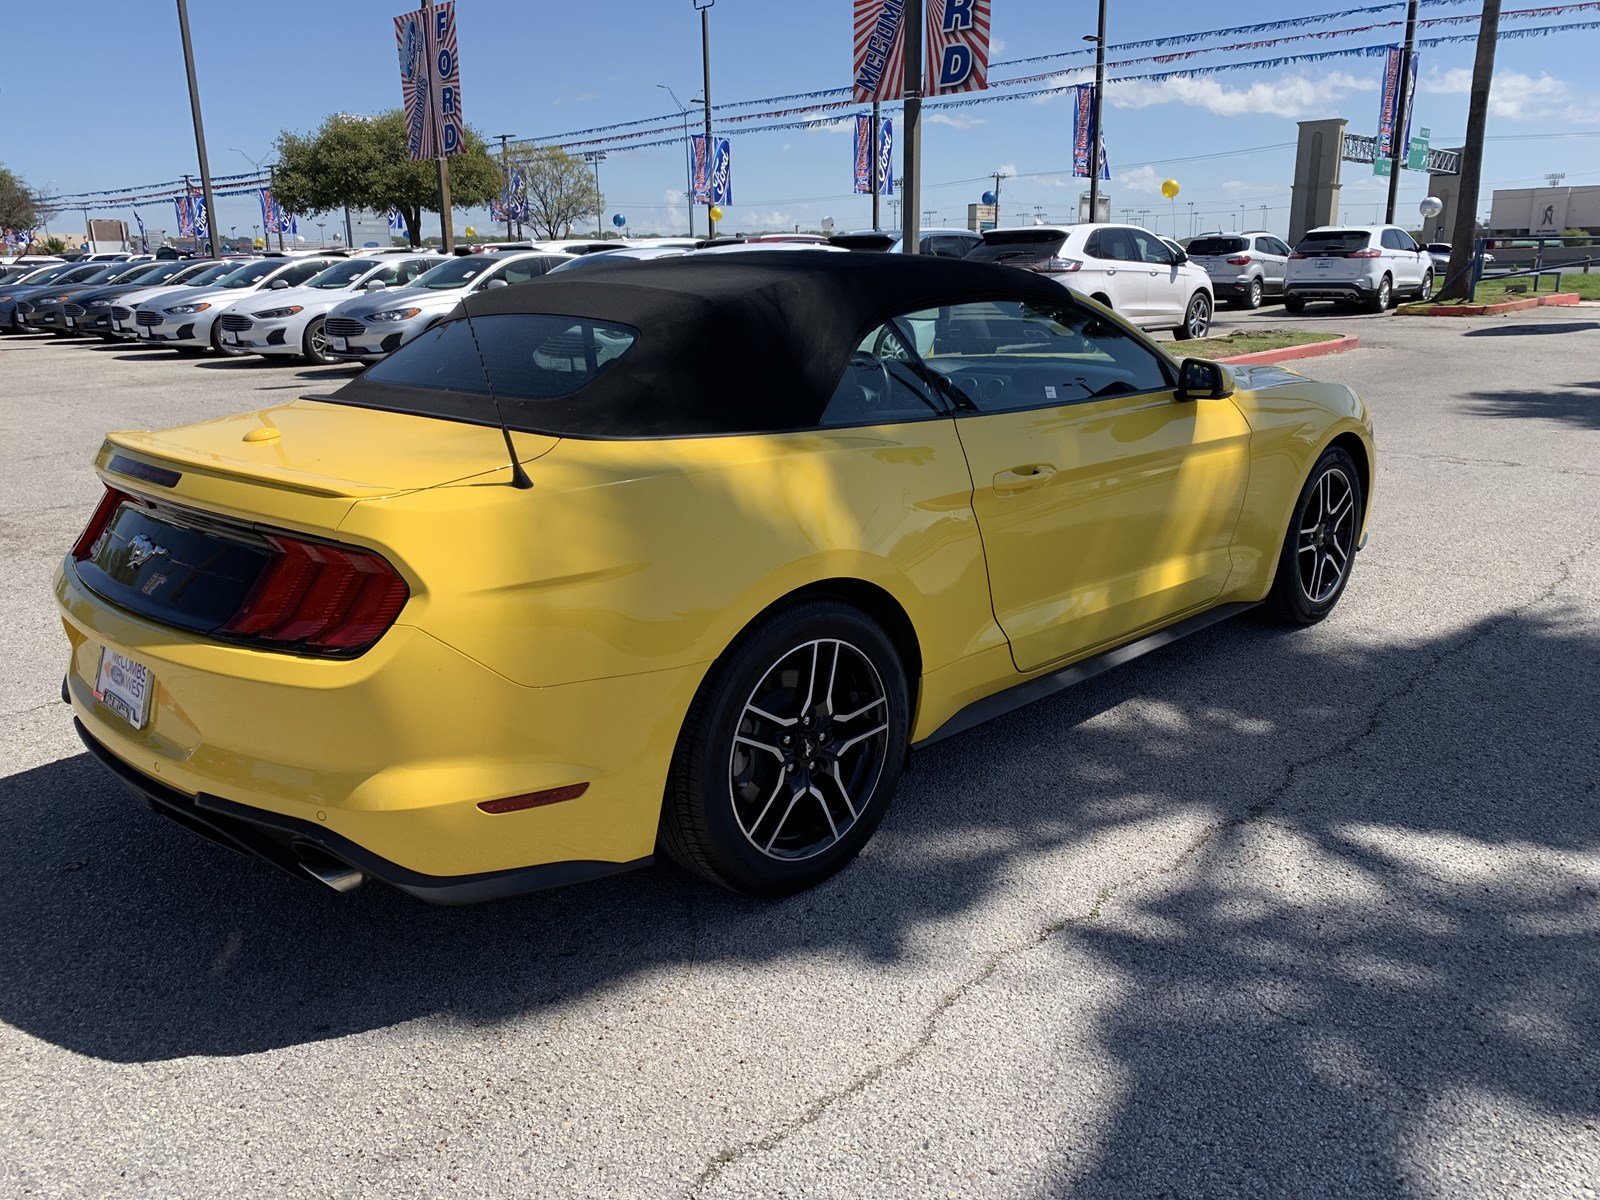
point(1264, 914)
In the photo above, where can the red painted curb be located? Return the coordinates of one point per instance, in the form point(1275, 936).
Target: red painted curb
point(1556, 299)
point(1289, 353)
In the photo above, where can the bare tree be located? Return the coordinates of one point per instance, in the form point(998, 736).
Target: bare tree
point(560, 190)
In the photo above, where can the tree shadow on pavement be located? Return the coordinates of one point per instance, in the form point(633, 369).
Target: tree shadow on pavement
point(1576, 404)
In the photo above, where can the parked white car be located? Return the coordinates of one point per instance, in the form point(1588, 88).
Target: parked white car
point(365, 328)
point(1245, 268)
point(200, 272)
point(186, 320)
point(1129, 270)
point(1369, 265)
point(289, 323)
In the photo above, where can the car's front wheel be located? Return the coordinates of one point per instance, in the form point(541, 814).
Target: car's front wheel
point(1196, 318)
point(314, 346)
point(222, 347)
point(1425, 292)
point(790, 753)
point(1320, 546)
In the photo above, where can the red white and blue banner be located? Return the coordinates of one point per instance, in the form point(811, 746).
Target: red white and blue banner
point(880, 50)
point(269, 210)
point(701, 169)
point(863, 156)
point(721, 172)
point(430, 81)
point(1390, 118)
point(957, 37)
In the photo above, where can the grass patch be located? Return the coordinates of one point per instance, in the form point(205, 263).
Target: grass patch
point(1247, 343)
point(1493, 291)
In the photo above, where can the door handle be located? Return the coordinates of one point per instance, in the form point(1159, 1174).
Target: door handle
point(1019, 478)
point(1111, 270)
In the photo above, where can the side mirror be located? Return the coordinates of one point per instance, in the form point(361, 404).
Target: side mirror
point(495, 283)
point(374, 285)
point(1179, 257)
point(1202, 380)
point(278, 285)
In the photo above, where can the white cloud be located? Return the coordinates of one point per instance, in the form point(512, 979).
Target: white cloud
point(996, 46)
point(955, 120)
point(773, 220)
point(787, 146)
point(1140, 179)
point(1519, 97)
point(1009, 168)
point(580, 98)
point(1293, 96)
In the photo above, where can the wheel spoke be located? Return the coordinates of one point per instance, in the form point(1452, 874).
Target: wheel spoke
point(846, 718)
point(811, 679)
point(1316, 579)
point(766, 716)
point(822, 801)
point(794, 799)
point(748, 741)
point(844, 792)
point(861, 737)
point(833, 673)
point(765, 808)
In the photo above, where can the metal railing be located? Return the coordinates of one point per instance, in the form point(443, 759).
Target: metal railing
point(1538, 271)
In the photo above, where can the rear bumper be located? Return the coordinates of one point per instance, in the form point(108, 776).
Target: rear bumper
point(1344, 290)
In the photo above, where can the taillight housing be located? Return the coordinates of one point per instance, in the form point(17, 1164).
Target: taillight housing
point(1295, 254)
point(1239, 260)
point(1369, 252)
point(103, 512)
point(1055, 266)
point(319, 598)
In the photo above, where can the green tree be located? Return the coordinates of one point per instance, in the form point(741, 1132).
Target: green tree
point(560, 190)
point(17, 210)
point(361, 161)
point(54, 245)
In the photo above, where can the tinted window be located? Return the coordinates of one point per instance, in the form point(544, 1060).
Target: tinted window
point(453, 273)
point(880, 240)
point(879, 386)
point(341, 274)
point(250, 274)
point(950, 246)
point(300, 272)
point(1019, 247)
point(1404, 241)
point(1333, 241)
point(1202, 246)
point(529, 356)
point(1005, 355)
point(523, 270)
point(1278, 247)
point(1150, 248)
point(1438, 247)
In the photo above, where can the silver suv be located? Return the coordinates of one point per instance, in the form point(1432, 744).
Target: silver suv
point(1245, 268)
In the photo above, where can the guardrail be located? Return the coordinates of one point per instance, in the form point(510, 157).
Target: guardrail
point(1538, 271)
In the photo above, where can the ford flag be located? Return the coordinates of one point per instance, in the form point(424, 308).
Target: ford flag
point(722, 173)
point(269, 210)
point(702, 169)
point(864, 154)
point(880, 49)
point(957, 36)
point(430, 81)
point(411, 37)
point(185, 216)
point(886, 157)
point(1083, 133)
point(1390, 118)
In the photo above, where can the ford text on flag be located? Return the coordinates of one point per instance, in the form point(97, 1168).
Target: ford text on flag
point(430, 81)
point(880, 49)
point(957, 39)
point(446, 80)
point(722, 173)
point(863, 156)
point(1390, 118)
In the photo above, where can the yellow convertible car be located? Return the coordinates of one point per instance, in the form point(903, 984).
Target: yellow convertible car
point(685, 554)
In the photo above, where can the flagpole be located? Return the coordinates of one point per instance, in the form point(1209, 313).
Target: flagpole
point(447, 237)
point(911, 118)
point(877, 183)
point(199, 128)
point(1099, 94)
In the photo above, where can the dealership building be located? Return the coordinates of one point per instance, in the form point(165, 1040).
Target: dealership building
point(1529, 212)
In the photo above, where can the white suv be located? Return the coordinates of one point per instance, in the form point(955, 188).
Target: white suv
point(1357, 264)
point(1128, 269)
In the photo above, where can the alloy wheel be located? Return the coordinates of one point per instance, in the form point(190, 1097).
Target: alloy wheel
point(1255, 293)
point(1199, 318)
point(1383, 295)
point(809, 749)
point(1427, 287)
point(1327, 536)
point(317, 341)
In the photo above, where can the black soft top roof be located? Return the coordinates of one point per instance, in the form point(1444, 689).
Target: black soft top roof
point(728, 343)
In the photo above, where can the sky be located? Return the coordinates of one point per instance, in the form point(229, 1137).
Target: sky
point(112, 110)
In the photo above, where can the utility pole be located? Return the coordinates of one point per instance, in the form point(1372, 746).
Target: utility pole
point(596, 157)
point(505, 166)
point(1463, 247)
point(911, 183)
point(1099, 108)
point(998, 176)
point(1403, 111)
point(447, 237)
point(703, 7)
point(199, 128)
point(877, 118)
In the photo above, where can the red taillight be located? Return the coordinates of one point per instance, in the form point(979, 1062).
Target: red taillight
point(1296, 254)
point(1055, 266)
point(534, 799)
point(1368, 253)
point(320, 597)
point(103, 512)
point(1239, 260)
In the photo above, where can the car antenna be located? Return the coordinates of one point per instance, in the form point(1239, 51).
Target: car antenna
point(519, 477)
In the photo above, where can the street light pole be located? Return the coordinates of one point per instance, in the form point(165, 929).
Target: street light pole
point(199, 128)
point(688, 156)
point(596, 157)
point(911, 183)
point(1099, 108)
point(1402, 108)
point(877, 183)
point(505, 167)
point(703, 7)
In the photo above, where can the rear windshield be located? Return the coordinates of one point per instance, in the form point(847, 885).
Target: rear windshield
point(1216, 245)
point(1018, 246)
point(525, 356)
point(1333, 241)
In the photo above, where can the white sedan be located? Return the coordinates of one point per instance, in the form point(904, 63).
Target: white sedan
point(289, 324)
point(185, 320)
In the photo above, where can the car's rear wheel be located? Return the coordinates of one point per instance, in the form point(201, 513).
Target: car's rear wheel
point(1196, 318)
point(790, 753)
point(1319, 548)
point(1252, 297)
point(314, 345)
point(1381, 298)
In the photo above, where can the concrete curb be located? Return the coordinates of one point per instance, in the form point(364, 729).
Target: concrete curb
point(1558, 299)
point(1289, 353)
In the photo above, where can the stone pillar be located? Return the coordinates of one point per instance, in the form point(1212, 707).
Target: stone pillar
point(1448, 189)
point(1315, 198)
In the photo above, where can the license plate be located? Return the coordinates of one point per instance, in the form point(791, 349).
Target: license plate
point(1324, 264)
point(235, 340)
point(340, 344)
point(123, 686)
point(145, 332)
point(71, 322)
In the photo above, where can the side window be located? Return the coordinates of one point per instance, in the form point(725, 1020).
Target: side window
point(300, 272)
point(1391, 239)
point(1151, 248)
point(1006, 355)
point(1266, 246)
point(878, 386)
point(1280, 247)
point(523, 270)
point(405, 272)
point(389, 275)
point(1405, 241)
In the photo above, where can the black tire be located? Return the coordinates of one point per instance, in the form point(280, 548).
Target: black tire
point(718, 777)
point(314, 345)
point(1299, 595)
point(218, 345)
point(1293, 304)
point(1425, 291)
point(1253, 297)
point(1383, 297)
point(1196, 318)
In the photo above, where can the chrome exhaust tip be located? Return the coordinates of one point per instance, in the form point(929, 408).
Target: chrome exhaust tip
point(337, 875)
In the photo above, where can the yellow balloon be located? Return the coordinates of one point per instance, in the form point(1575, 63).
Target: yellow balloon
point(716, 212)
point(471, 232)
point(1169, 188)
